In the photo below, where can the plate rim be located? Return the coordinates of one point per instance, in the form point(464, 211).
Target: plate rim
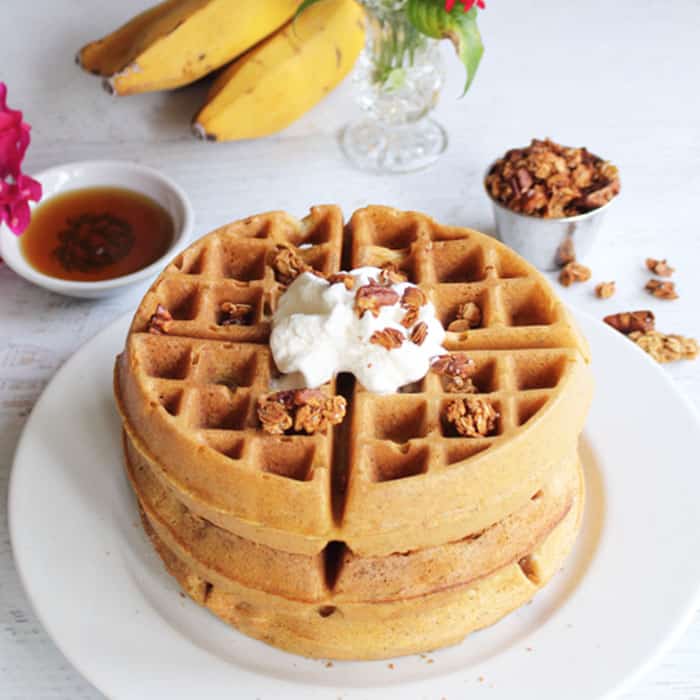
point(625, 682)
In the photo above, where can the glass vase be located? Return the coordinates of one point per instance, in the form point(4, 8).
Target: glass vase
point(397, 82)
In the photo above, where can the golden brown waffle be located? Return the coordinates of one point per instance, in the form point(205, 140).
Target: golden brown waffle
point(352, 578)
point(371, 630)
point(394, 476)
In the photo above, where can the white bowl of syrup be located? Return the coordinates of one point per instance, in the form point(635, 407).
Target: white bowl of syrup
point(100, 227)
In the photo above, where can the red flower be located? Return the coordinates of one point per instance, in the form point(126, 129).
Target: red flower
point(16, 189)
point(468, 4)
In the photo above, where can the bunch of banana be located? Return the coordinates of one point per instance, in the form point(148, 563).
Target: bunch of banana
point(279, 68)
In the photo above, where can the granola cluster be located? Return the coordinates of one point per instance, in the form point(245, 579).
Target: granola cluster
point(666, 348)
point(160, 321)
point(662, 289)
point(468, 316)
point(552, 181)
point(456, 370)
point(302, 411)
point(232, 314)
point(472, 416)
point(659, 267)
point(288, 265)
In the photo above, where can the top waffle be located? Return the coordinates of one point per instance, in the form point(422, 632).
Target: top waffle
point(394, 475)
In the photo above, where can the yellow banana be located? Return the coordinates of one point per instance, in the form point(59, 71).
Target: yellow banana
point(179, 41)
point(276, 82)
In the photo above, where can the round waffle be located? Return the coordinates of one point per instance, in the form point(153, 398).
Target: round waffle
point(390, 533)
point(394, 476)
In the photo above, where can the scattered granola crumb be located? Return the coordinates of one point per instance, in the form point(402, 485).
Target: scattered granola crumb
point(419, 333)
point(329, 664)
point(457, 369)
point(468, 316)
point(389, 338)
point(605, 290)
point(666, 348)
point(566, 253)
point(574, 272)
point(160, 321)
point(549, 180)
point(481, 679)
point(661, 289)
point(472, 416)
point(660, 267)
point(391, 666)
point(304, 410)
point(235, 314)
point(628, 321)
point(430, 661)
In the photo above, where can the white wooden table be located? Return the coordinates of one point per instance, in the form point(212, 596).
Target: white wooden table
point(620, 77)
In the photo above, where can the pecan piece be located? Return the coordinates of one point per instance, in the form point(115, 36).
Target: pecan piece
point(288, 265)
point(605, 290)
point(410, 317)
point(419, 333)
point(160, 321)
point(666, 348)
point(660, 267)
point(468, 316)
point(371, 297)
point(390, 274)
point(388, 338)
point(630, 321)
point(311, 397)
point(413, 298)
point(662, 290)
point(457, 370)
point(345, 278)
point(472, 416)
point(233, 314)
point(574, 272)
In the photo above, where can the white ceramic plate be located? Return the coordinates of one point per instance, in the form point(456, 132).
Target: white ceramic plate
point(624, 596)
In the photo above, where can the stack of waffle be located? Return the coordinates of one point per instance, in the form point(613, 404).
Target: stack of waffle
point(391, 533)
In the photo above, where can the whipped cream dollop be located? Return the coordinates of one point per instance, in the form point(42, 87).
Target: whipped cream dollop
point(317, 332)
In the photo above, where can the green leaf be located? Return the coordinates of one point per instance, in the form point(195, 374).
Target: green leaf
point(305, 6)
point(431, 18)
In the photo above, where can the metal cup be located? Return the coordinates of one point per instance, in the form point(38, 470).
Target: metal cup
point(548, 243)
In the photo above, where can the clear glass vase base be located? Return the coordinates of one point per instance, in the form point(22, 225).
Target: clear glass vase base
point(369, 145)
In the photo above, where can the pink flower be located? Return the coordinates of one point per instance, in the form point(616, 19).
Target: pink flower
point(16, 189)
point(468, 4)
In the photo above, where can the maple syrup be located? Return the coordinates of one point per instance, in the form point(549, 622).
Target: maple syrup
point(96, 233)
